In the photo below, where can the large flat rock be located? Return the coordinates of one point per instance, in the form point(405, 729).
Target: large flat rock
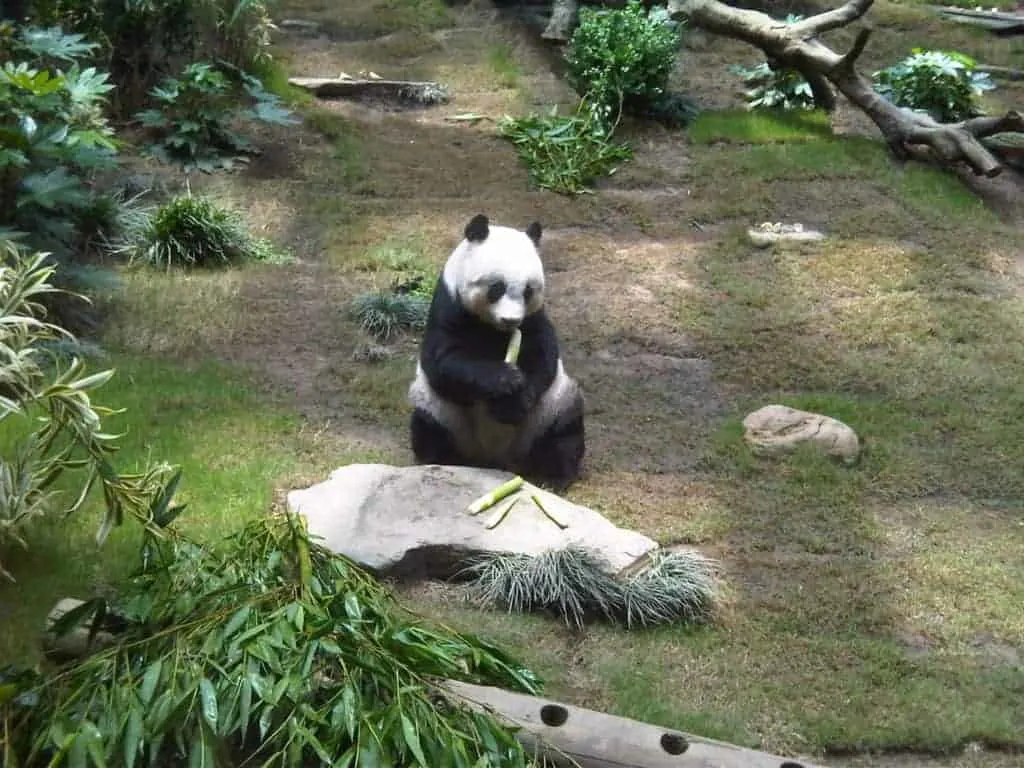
point(411, 522)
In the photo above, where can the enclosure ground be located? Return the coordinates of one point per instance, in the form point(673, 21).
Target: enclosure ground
point(873, 607)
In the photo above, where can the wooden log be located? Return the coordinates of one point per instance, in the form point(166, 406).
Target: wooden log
point(75, 643)
point(572, 736)
point(350, 87)
point(1003, 73)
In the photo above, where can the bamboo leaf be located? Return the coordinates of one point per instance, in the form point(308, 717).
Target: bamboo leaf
point(208, 695)
point(412, 740)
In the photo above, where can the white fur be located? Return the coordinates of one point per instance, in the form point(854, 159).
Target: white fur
point(477, 434)
point(510, 255)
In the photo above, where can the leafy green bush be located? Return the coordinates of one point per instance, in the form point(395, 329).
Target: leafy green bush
point(622, 57)
point(941, 84)
point(196, 232)
point(565, 154)
point(268, 650)
point(194, 111)
point(54, 428)
point(778, 88)
point(775, 88)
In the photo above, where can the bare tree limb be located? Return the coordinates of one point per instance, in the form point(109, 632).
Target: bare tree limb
point(796, 46)
point(834, 19)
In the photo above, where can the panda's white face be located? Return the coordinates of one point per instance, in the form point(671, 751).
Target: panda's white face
point(497, 274)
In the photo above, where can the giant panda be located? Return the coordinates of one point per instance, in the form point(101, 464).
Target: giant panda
point(470, 408)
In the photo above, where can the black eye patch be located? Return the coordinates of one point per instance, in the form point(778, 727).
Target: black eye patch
point(528, 294)
point(495, 291)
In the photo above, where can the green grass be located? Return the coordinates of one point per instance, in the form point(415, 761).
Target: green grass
point(234, 448)
point(758, 126)
point(502, 60)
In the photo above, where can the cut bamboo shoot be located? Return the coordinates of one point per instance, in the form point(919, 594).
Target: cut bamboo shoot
point(488, 500)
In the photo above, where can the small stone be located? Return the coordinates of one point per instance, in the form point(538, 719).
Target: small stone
point(300, 25)
point(777, 429)
point(371, 353)
point(769, 233)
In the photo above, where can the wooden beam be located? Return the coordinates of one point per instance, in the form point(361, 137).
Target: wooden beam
point(574, 736)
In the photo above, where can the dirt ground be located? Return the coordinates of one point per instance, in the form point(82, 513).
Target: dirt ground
point(613, 264)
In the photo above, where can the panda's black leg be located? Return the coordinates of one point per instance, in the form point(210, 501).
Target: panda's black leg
point(556, 457)
point(431, 442)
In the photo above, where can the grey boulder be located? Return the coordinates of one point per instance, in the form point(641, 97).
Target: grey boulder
point(411, 522)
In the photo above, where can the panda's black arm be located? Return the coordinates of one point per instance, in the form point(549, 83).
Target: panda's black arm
point(538, 355)
point(458, 373)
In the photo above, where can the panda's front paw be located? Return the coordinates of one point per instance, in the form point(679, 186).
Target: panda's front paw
point(509, 381)
point(509, 409)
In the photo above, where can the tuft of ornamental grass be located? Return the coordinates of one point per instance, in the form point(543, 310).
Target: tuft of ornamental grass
point(190, 231)
point(575, 584)
point(384, 315)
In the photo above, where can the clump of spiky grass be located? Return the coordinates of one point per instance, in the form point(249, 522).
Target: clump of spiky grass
point(190, 231)
point(383, 315)
point(673, 585)
point(576, 585)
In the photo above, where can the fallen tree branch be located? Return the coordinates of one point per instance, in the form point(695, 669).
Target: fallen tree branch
point(796, 45)
point(1004, 73)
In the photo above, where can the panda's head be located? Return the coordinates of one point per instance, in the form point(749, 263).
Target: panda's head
point(496, 273)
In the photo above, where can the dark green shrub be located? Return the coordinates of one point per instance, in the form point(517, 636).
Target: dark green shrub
point(142, 41)
point(941, 84)
point(194, 112)
point(622, 57)
point(54, 138)
point(196, 232)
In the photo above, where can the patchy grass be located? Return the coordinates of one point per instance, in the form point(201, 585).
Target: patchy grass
point(375, 18)
point(235, 450)
point(503, 62)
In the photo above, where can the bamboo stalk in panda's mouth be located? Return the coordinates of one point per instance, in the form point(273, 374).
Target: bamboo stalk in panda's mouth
point(512, 353)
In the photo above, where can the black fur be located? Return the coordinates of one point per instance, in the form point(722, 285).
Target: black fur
point(463, 359)
point(477, 229)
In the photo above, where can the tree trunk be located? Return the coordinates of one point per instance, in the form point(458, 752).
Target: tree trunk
point(796, 46)
point(563, 17)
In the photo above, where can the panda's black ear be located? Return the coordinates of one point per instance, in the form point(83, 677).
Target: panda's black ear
point(477, 229)
point(534, 232)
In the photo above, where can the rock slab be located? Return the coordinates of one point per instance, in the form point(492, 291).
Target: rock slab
point(778, 429)
point(411, 522)
point(770, 233)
